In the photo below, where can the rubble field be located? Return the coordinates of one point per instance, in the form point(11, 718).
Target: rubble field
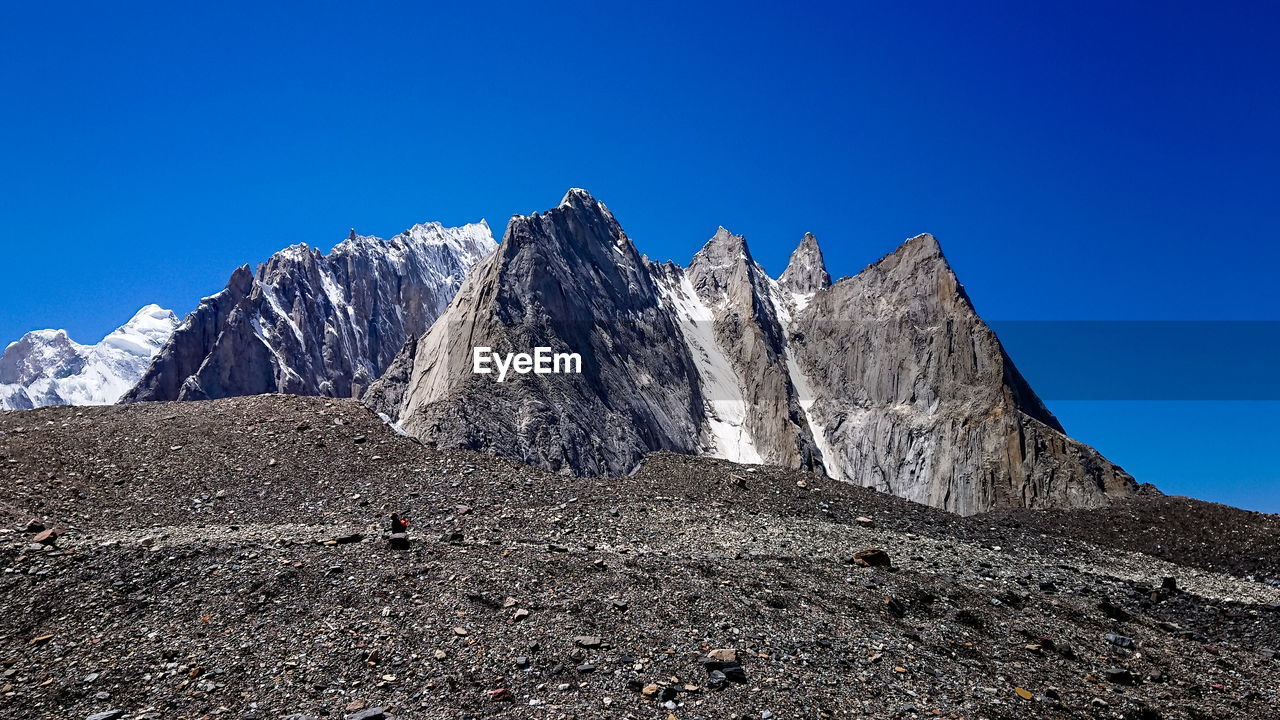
point(230, 559)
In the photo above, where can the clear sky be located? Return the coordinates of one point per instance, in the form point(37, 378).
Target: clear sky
point(1093, 161)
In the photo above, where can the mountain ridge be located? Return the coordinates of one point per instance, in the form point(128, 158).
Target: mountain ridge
point(314, 323)
point(887, 379)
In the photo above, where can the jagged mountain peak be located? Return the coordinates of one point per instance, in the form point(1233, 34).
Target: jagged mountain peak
point(730, 240)
point(435, 233)
point(296, 253)
point(923, 244)
point(578, 197)
point(579, 226)
point(471, 241)
point(583, 203)
point(315, 324)
point(806, 271)
point(354, 240)
point(723, 266)
point(914, 257)
point(724, 252)
point(920, 248)
point(241, 279)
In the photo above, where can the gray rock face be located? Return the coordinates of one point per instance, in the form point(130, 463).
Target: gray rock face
point(313, 324)
point(45, 367)
point(190, 345)
point(571, 280)
point(888, 379)
point(914, 395)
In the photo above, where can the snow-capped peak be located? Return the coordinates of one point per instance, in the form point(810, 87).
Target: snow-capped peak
point(45, 337)
point(469, 242)
point(583, 200)
point(46, 367)
point(145, 332)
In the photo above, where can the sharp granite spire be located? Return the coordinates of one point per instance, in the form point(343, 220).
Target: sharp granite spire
point(806, 271)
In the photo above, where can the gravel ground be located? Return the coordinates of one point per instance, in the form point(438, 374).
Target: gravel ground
point(229, 559)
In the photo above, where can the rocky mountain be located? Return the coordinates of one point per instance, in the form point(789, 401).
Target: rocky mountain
point(310, 323)
point(888, 379)
point(750, 389)
point(929, 406)
point(571, 280)
point(46, 367)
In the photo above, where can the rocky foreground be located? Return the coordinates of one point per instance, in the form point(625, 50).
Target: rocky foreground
point(228, 559)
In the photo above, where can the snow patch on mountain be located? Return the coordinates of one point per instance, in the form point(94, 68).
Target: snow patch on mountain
point(801, 300)
point(726, 403)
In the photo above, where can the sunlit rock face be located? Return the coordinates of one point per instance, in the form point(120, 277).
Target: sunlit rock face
point(888, 379)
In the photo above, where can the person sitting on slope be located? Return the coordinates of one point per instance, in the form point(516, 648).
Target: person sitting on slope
point(399, 524)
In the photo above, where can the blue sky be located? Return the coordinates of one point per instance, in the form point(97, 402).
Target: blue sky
point(1102, 161)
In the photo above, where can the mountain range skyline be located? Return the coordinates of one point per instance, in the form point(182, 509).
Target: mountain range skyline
point(888, 379)
point(1195, 489)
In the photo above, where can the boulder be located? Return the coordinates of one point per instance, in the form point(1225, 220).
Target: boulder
point(1119, 675)
point(726, 655)
point(872, 557)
